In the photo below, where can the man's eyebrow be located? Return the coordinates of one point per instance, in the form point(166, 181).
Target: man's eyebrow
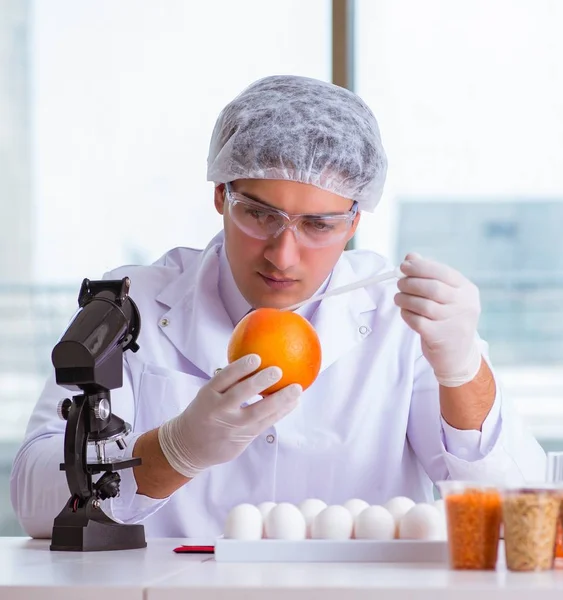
point(256, 199)
point(266, 205)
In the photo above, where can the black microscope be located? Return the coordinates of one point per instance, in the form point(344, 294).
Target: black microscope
point(89, 358)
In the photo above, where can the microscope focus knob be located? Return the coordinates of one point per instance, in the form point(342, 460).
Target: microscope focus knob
point(63, 408)
point(102, 409)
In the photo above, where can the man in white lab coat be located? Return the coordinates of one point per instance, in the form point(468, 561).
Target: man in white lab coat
point(406, 395)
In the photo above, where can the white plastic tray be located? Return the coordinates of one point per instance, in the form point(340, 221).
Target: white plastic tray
point(412, 551)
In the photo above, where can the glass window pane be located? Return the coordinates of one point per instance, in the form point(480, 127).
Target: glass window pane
point(106, 112)
point(469, 96)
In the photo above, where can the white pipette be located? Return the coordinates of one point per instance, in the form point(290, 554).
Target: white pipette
point(394, 274)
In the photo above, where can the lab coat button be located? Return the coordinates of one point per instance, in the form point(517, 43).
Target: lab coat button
point(164, 322)
point(270, 438)
point(363, 329)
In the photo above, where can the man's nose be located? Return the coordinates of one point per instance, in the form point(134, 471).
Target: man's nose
point(283, 251)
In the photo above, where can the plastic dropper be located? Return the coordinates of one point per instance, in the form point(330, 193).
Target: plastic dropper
point(394, 274)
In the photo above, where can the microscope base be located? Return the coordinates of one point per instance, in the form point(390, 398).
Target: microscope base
point(89, 530)
point(98, 537)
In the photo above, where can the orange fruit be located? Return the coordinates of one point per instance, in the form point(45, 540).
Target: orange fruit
point(282, 339)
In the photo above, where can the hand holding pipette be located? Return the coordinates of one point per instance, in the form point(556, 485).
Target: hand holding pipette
point(443, 307)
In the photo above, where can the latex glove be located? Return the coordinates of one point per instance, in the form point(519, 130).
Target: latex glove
point(443, 307)
point(215, 428)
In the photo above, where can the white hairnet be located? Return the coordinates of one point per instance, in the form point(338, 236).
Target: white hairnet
point(300, 129)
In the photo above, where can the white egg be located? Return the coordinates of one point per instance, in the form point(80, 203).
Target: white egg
point(244, 522)
point(285, 522)
point(310, 508)
point(355, 506)
point(398, 507)
point(374, 523)
point(265, 508)
point(333, 523)
point(423, 522)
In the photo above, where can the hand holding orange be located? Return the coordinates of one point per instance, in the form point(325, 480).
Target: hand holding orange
point(282, 339)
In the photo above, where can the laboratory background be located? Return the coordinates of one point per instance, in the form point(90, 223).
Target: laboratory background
point(107, 108)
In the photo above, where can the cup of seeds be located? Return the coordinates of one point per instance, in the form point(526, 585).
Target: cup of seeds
point(530, 516)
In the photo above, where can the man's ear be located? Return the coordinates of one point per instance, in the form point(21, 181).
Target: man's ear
point(220, 198)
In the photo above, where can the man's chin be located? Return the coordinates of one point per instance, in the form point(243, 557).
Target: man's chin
point(278, 301)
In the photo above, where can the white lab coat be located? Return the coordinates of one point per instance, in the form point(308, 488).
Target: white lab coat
point(369, 427)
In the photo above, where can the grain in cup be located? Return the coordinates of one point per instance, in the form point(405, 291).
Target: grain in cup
point(530, 516)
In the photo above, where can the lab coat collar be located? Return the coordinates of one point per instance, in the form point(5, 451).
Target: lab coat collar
point(197, 323)
point(184, 285)
point(341, 321)
point(235, 303)
point(200, 328)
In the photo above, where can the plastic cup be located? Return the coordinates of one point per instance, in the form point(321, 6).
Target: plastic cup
point(473, 516)
point(530, 516)
point(555, 475)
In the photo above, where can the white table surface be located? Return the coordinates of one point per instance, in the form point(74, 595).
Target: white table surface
point(29, 570)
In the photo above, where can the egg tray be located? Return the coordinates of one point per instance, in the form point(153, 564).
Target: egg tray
point(269, 550)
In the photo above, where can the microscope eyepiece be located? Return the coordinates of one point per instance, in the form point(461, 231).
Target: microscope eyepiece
point(88, 356)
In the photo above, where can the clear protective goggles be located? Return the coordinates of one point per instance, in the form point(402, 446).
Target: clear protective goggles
point(262, 222)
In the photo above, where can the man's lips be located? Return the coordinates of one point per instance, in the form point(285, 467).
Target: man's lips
point(278, 279)
point(277, 283)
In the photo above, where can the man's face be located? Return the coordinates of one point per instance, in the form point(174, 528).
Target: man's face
point(279, 271)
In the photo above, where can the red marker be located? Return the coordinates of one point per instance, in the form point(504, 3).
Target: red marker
point(195, 549)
